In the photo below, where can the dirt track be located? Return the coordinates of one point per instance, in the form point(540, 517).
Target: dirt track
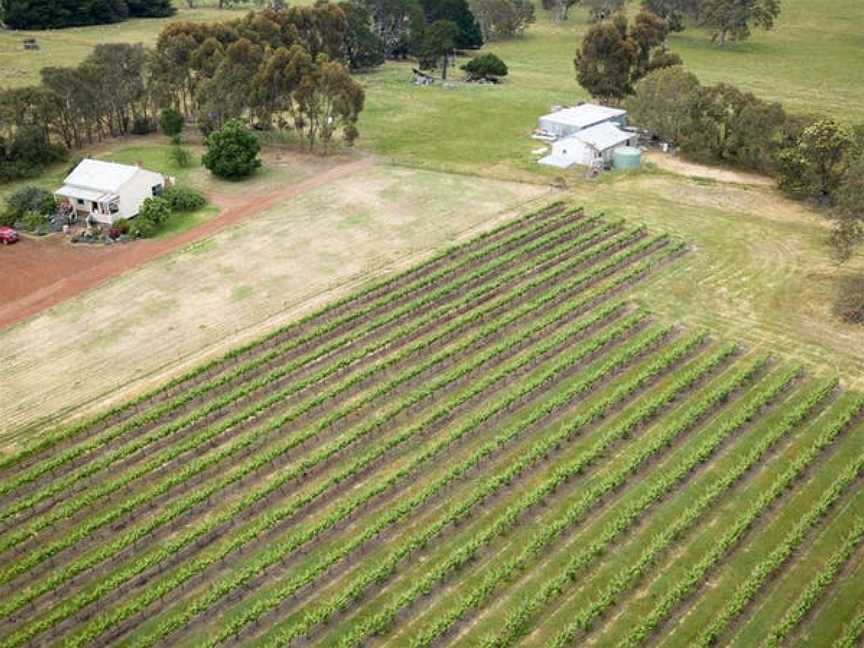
point(44, 272)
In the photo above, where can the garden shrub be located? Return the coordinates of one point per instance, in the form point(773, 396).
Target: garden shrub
point(121, 225)
point(184, 199)
point(35, 222)
point(7, 217)
point(154, 212)
point(180, 156)
point(232, 152)
point(31, 199)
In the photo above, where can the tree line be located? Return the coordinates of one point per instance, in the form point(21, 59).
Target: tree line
point(812, 157)
point(727, 20)
point(275, 69)
point(419, 27)
point(55, 14)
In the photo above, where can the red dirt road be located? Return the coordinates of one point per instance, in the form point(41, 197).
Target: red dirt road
point(36, 274)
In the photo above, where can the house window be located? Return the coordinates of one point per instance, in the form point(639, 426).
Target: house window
point(156, 190)
point(80, 201)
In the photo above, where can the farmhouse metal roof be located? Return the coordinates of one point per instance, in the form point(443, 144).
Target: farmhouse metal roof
point(68, 191)
point(602, 136)
point(104, 177)
point(584, 115)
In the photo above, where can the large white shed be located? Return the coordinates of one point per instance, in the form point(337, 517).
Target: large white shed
point(108, 191)
point(592, 146)
point(568, 121)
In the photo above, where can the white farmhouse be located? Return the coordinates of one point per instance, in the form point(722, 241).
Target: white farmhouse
point(108, 191)
point(591, 147)
point(568, 121)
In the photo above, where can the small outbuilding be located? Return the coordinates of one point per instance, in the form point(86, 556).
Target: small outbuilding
point(591, 147)
point(107, 191)
point(569, 121)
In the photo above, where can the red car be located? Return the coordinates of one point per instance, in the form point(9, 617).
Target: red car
point(8, 235)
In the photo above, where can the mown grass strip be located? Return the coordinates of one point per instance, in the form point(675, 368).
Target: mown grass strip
point(49, 440)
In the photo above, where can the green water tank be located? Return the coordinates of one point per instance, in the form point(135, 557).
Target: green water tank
point(626, 157)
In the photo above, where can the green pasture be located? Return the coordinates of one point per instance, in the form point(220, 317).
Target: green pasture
point(810, 62)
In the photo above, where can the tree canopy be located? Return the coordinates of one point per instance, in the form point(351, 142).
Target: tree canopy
point(667, 103)
point(458, 12)
point(55, 14)
point(615, 56)
point(232, 152)
point(439, 41)
point(399, 23)
point(733, 19)
point(673, 11)
point(502, 18)
point(280, 68)
point(602, 9)
point(364, 48)
point(814, 164)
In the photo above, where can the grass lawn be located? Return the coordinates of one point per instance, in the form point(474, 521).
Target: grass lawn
point(805, 63)
point(758, 271)
point(152, 153)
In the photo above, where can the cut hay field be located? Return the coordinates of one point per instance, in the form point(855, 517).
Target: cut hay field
point(494, 447)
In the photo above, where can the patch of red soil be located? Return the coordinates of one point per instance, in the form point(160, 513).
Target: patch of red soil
point(38, 273)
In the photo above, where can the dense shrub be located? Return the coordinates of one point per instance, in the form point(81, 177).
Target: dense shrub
point(150, 8)
point(154, 212)
point(171, 122)
point(180, 156)
point(232, 152)
point(26, 154)
point(143, 126)
point(487, 67)
point(184, 199)
point(35, 222)
point(849, 302)
point(7, 217)
point(31, 199)
point(121, 225)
